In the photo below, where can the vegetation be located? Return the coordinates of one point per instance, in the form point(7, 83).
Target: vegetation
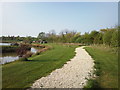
point(106, 65)
point(108, 36)
point(22, 50)
point(91, 83)
point(21, 74)
point(9, 48)
point(104, 46)
point(27, 39)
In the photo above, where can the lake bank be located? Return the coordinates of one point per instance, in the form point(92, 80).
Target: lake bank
point(9, 52)
point(23, 73)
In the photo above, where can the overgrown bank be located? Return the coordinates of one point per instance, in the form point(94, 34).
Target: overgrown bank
point(106, 65)
point(9, 48)
point(23, 73)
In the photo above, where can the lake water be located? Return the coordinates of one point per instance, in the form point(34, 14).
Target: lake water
point(10, 57)
point(5, 43)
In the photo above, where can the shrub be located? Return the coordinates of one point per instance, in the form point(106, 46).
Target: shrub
point(92, 84)
point(97, 67)
point(22, 50)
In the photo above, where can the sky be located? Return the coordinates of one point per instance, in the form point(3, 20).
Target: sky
point(31, 18)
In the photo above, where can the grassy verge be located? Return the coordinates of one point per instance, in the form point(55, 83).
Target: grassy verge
point(106, 64)
point(21, 74)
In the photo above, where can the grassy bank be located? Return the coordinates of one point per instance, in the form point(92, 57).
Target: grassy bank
point(106, 64)
point(21, 74)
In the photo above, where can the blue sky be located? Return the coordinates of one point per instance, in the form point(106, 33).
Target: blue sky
point(30, 18)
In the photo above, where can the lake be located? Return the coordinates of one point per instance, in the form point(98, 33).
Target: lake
point(12, 56)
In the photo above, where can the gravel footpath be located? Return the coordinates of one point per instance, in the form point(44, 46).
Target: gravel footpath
point(74, 74)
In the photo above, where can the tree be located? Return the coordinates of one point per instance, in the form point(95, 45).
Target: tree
point(28, 39)
point(94, 37)
point(107, 37)
point(86, 39)
point(41, 35)
point(75, 38)
point(114, 39)
point(99, 38)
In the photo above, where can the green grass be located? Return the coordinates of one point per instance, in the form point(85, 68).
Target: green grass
point(106, 63)
point(21, 74)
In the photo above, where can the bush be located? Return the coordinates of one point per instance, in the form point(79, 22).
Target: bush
point(92, 84)
point(22, 50)
point(114, 39)
point(97, 67)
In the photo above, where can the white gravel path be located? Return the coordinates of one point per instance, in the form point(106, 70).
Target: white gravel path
point(71, 75)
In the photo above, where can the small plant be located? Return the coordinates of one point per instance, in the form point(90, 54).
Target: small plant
point(96, 62)
point(97, 72)
point(97, 67)
point(92, 83)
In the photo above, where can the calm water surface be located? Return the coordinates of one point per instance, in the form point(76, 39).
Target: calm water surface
point(5, 44)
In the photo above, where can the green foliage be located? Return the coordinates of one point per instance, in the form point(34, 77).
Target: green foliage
point(17, 39)
point(85, 38)
point(107, 37)
point(118, 29)
point(114, 39)
point(94, 36)
point(99, 38)
point(28, 40)
point(91, 83)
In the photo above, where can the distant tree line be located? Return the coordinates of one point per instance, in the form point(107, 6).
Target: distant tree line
point(108, 36)
point(27, 39)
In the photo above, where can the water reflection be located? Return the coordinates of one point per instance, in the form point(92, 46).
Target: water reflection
point(34, 50)
point(7, 59)
point(4, 44)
